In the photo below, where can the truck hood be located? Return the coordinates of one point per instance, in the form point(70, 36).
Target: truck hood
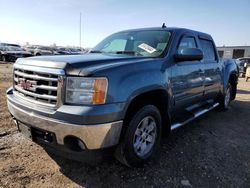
point(81, 64)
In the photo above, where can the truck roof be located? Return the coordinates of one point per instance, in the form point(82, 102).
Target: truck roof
point(171, 29)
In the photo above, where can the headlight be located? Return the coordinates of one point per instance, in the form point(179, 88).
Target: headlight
point(80, 90)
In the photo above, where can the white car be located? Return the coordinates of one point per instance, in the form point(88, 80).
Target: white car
point(43, 50)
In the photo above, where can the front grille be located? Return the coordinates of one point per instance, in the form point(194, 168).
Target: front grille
point(37, 84)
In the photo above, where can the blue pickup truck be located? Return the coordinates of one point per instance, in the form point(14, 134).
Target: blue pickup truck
point(123, 95)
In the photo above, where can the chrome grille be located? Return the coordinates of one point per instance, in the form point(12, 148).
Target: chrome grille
point(37, 84)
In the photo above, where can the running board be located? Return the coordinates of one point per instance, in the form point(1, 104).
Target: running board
point(195, 115)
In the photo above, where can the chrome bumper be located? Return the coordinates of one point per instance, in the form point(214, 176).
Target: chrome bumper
point(94, 136)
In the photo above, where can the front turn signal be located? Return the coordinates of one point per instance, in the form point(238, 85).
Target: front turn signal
point(100, 90)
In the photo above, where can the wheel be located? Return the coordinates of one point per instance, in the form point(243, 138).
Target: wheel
point(142, 137)
point(226, 98)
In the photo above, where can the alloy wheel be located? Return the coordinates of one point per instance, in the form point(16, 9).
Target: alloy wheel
point(145, 136)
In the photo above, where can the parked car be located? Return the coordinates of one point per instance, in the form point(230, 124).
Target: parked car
point(55, 51)
point(43, 50)
point(69, 51)
point(11, 53)
point(9, 44)
point(244, 62)
point(75, 51)
point(63, 51)
point(120, 97)
point(30, 49)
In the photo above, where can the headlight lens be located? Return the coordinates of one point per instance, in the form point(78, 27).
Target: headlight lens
point(81, 90)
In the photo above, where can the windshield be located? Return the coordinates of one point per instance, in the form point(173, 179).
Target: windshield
point(137, 43)
point(13, 48)
point(2, 48)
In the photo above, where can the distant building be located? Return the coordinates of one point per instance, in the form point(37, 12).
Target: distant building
point(234, 51)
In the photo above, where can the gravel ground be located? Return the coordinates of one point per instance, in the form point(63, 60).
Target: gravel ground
point(212, 151)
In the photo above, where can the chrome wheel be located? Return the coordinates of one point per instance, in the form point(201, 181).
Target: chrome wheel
point(145, 136)
point(227, 97)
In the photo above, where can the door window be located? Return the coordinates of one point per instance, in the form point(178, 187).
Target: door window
point(208, 49)
point(187, 42)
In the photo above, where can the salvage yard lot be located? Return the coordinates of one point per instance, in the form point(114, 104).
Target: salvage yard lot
point(213, 151)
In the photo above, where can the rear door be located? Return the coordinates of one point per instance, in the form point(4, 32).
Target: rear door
point(212, 81)
point(187, 77)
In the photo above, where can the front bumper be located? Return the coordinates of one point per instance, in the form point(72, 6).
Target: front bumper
point(94, 136)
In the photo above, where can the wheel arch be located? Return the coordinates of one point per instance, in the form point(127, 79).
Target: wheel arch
point(230, 76)
point(233, 80)
point(157, 97)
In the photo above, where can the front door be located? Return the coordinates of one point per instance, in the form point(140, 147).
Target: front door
point(187, 78)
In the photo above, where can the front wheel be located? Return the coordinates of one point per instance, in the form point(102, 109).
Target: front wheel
point(142, 137)
point(226, 98)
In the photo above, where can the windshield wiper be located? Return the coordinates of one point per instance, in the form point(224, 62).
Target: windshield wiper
point(126, 52)
point(115, 52)
point(95, 51)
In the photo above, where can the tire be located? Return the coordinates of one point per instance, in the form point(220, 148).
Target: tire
point(226, 98)
point(142, 137)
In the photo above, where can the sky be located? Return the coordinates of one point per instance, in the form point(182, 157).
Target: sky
point(57, 22)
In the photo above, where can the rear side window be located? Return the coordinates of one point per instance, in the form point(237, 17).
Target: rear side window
point(187, 42)
point(208, 49)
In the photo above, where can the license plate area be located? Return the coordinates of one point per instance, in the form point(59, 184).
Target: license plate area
point(37, 135)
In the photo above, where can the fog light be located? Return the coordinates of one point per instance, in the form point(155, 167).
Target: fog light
point(73, 143)
point(81, 144)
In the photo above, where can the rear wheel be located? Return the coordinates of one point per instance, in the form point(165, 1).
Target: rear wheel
point(226, 98)
point(142, 137)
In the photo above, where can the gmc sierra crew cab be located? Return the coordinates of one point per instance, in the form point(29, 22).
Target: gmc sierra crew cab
point(121, 96)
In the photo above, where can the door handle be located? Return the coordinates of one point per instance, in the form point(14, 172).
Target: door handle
point(201, 71)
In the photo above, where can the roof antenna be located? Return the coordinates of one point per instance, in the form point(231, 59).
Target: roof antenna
point(163, 25)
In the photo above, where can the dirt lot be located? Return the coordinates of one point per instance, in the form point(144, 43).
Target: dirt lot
point(213, 151)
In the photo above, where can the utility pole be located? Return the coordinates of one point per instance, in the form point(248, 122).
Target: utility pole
point(80, 30)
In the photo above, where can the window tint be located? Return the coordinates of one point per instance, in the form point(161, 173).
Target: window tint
point(187, 42)
point(115, 45)
point(140, 43)
point(208, 49)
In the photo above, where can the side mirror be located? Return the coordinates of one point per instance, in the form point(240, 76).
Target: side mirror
point(189, 54)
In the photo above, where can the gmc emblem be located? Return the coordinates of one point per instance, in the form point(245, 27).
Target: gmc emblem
point(27, 84)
